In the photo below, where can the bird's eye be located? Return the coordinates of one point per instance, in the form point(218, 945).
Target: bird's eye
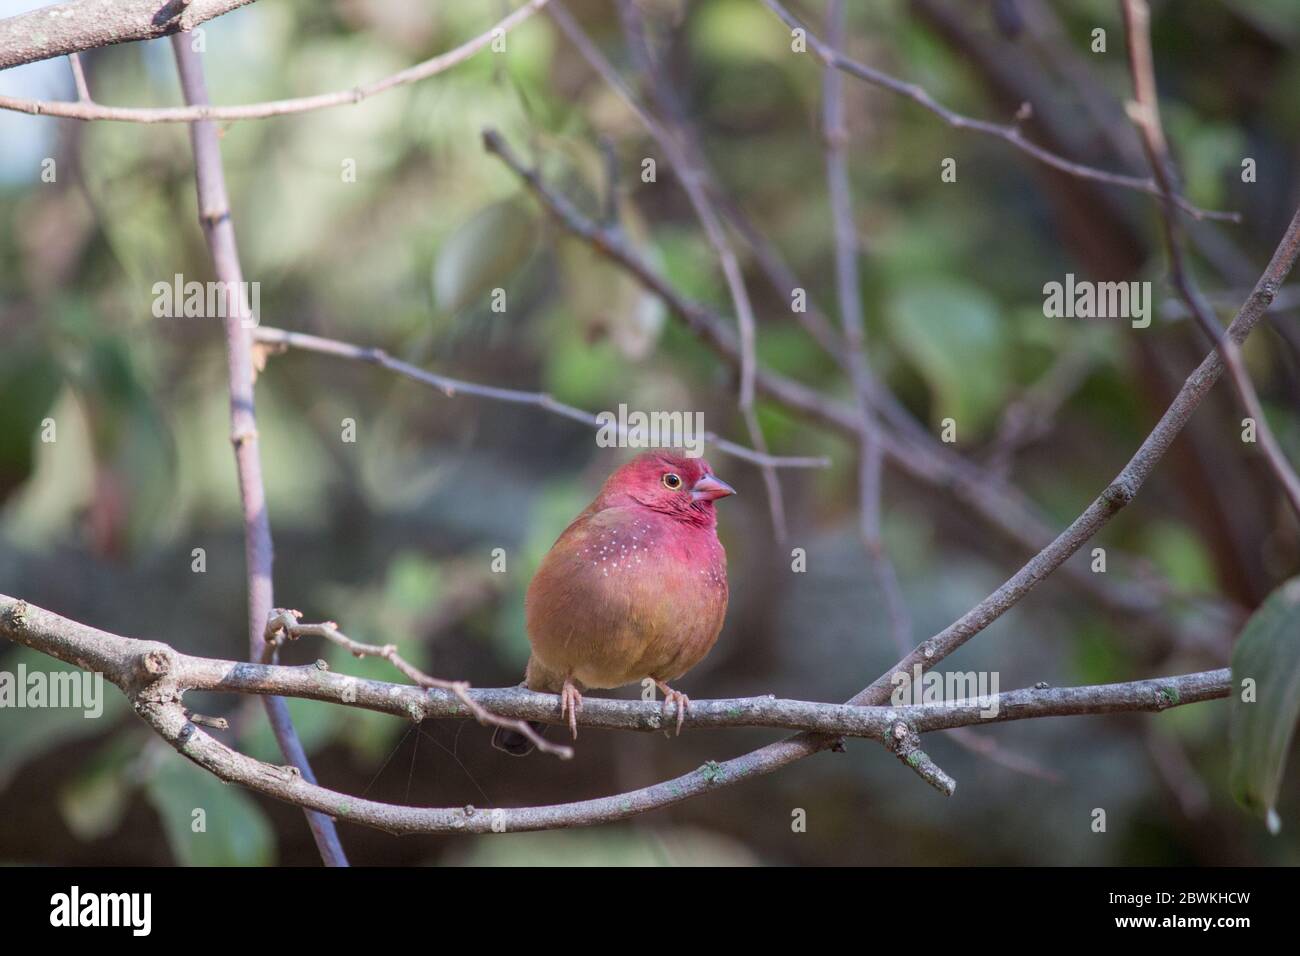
point(672, 481)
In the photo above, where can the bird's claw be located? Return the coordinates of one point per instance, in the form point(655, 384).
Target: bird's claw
point(570, 703)
point(675, 698)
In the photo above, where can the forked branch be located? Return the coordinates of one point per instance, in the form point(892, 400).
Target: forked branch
point(155, 678)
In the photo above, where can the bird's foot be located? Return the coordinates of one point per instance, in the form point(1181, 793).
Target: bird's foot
point(570, 703)
point(674, 698)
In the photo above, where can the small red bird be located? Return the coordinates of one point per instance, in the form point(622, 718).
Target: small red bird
point(635, 587)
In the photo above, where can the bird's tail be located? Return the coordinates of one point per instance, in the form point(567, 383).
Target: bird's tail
point(513, 742)
point(536, 677)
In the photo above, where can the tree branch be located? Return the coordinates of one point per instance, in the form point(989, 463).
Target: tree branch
point(1117, 494)
point(286, 625)
point(80, 25)
point(155, 677)
point(852, 326)
point(1146, 116)
point(79, 78)
point(301, 104)
point(1009, 134)
point(453, 387)
point(219, 232)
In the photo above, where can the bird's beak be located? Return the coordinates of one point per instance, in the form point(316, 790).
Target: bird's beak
point(708, 488)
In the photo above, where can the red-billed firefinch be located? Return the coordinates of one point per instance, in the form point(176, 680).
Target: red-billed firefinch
point(635, 587)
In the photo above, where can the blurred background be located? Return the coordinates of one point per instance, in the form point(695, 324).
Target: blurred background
point(392, 535)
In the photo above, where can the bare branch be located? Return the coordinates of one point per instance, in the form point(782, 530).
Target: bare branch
point(79, 25)
point(846, 720)
point(452, 387)
point(250, 111)
point(1177, 771)
point(905, 743)
point(852, 326)
point(79, 78)
point(1009, 134)
point(219, 232)
point(1145, 113)
point(771, 483)
point(287, 625)
point(155, 677)
point(707, 325)
point(780, 277)
point(1011, 760)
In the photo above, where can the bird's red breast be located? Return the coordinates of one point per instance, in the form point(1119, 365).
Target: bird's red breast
point(636, 586)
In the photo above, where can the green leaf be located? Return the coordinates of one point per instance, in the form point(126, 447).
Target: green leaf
point(483, 253)
point(1267, 653)
point(233, 831)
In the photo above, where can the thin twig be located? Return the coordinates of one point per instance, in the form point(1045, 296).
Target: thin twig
point(203, 720)
point(771, 483)
point(1177, 771)
point(286, 624)
point(906, 746)
point(1010, 134)
point(452, 387)
point(79, 78)
point(1287, 299)
point(780, 277)
point(1011, 760)
point(301, 104)
point(219, 232)
point(852, 327)
point(1145, 113)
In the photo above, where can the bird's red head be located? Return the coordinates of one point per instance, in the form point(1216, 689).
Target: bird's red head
point(669, 483)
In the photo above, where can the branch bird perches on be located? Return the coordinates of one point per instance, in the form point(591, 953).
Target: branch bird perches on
point(155, 678)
